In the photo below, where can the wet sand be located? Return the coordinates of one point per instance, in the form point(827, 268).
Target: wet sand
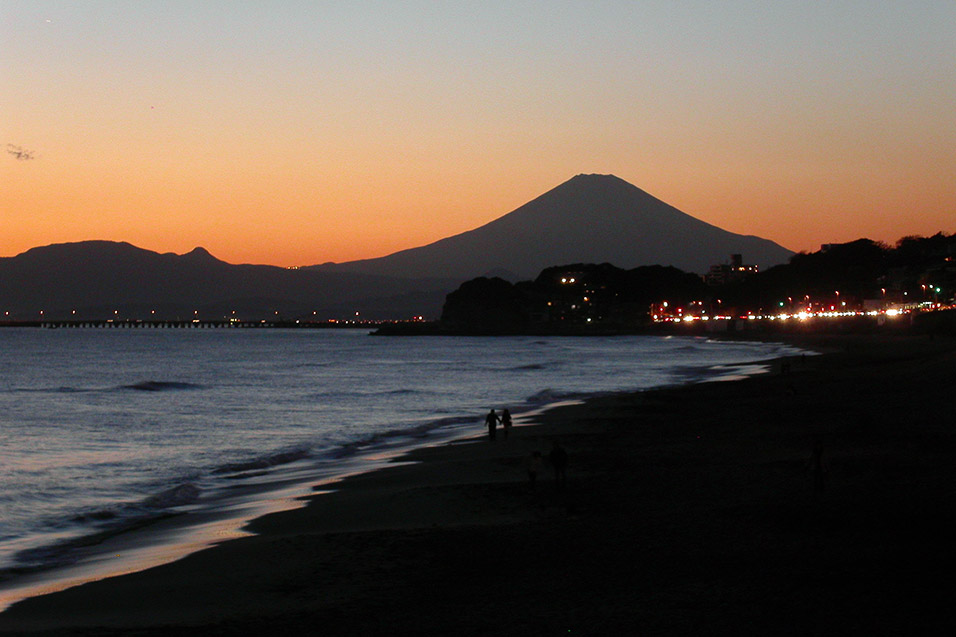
point(687, 511)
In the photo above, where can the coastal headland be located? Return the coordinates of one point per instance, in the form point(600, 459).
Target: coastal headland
point(690, 510)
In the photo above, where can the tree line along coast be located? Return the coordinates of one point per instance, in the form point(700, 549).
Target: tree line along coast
point(852, 286)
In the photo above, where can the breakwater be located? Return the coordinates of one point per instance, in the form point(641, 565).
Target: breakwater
point(189, 324)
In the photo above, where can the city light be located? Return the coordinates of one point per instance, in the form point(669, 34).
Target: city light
point(661, 314)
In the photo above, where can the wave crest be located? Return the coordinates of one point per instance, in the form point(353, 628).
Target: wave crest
point(264, 462)
point(161, 385)
point(181, 494)
point(549, 396)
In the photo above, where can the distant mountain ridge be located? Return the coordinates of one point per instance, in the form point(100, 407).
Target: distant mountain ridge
point(587, 219)
point(103, 279)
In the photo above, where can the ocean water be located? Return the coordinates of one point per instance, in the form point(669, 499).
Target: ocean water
point(102, 430)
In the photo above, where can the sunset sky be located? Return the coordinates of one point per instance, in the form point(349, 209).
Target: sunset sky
point(297, 132)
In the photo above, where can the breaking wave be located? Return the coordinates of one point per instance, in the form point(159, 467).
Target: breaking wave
point(264, 462)
point(158, 385)
point(551, 396)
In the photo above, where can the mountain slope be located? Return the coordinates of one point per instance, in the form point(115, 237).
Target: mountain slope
point(587, 219)
point(102, 279)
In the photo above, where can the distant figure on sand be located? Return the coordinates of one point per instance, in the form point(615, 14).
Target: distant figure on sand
point(534, 467)
point(492, 421)
point(817, 467)
point(559, 462)
point(506, 422)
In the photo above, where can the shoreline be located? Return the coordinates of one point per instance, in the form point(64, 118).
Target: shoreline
point(173, 535)
point(166, 537)
point(699, 485)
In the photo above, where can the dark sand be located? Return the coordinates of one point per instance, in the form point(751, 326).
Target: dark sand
point(687, 511)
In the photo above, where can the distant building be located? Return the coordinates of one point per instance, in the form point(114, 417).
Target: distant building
point(736, 270)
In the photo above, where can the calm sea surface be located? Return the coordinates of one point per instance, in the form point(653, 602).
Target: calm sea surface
point(102, 429)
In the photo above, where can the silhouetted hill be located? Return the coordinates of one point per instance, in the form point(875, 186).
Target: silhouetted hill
point(588, 219)
point(577, 298)
point(856, 279)
point(103, 279)
point(862, 269)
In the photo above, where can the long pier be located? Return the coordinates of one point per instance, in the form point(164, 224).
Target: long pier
point(189, 324)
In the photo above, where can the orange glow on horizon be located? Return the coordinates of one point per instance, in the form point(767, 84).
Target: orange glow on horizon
point(316, 223)
point(295, 135)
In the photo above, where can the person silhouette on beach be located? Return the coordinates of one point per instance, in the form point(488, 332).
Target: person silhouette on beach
point(559, 462)
point(817, 467)
point(492, 421)
point(506, 422)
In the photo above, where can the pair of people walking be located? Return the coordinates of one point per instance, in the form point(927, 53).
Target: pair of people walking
point(492, 420)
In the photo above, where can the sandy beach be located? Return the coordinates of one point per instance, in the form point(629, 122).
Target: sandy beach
point(689, 510)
